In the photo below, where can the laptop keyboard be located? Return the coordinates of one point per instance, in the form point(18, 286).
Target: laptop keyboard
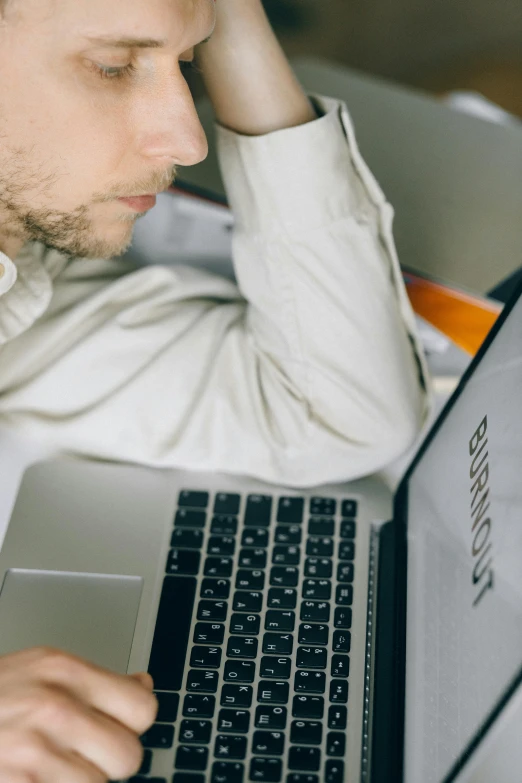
point(250, 656)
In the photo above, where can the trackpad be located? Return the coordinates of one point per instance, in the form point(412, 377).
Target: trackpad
point(90, 615)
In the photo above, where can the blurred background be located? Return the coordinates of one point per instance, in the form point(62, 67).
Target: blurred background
point(437, 45)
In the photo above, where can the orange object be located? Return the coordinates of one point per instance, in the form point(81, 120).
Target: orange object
point(464, 318)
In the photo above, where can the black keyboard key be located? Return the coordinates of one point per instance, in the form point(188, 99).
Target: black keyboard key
point(160, 735)
point(344, 595)
point(140, 779)
point(223, 525)
point(309, 682)
point(343, 617)
point(302, 777)
point(345, 572)
point(334, 771)
point(317, 589)
point(205, 657)
point(227, 773)
point(189, 518)
point(321, 526)
point(195, 731)
point(305, 706)
point(191, 757)
point(349, 508)
point(304, 758)
point(215, 588)
point(279, 621)
point(256, 537)
point(183, 777)
point(171, 635)
point(337, 717)
point(221, 545)
point(226, 503)
point(209, 633)
point(347, 528)
point(250, 580)
point(242, 647)
point(319, 547)
point(194, 499)
point(340, 666)
point(252, 558)
point(258, 511)
point(247, 601)
point(290, 510)
point(278, 668)
point(270, 717)
point(339, 691)
point(236, 695)
point(335, 744)
point(285, 555)
point(318, 567)
point(240, 671)
point(347, 550)
point(288, 534)
point(168, 705)
point(212, 611)
point(230, 747)
point(278, 643)
point(183, 561)
point(235, 721)
point(322, 506)
point(306, 732)
point(266, 770)
point(202, 681)
point(268, 743)
point(282, 598)
point(218, 566)
point(315, 611)
point(245, 623)
point(186, 538)
point(341, 641)
point(197, 705)
point(284, 576)
point(311, 658)
point(313, 634)
point(272, 692)
point(146, 763)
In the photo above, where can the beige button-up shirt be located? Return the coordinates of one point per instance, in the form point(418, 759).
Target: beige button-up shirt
point(307, 370)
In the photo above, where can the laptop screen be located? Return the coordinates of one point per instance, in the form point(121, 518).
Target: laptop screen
point(464, 588)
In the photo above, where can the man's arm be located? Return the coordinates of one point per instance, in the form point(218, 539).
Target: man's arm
point(248, 78)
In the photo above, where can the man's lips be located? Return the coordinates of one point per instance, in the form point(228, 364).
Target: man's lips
point(140, 203)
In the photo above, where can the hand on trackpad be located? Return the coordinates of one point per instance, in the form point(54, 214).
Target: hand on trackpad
point(89, 615)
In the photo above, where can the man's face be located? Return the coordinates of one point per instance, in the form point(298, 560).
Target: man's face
point(72, 142)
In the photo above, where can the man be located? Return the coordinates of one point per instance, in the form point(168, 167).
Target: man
point(309, 370)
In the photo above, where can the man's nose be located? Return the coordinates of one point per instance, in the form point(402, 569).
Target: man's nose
point(170, 127)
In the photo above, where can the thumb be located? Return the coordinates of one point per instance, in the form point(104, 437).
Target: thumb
point(145, 679)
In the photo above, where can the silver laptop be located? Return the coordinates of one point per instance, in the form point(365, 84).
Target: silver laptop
point(299, 636)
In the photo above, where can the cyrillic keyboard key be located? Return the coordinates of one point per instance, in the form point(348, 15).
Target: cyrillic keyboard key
point(315, 611)
point(257, 537)
point(186, 517)
point(209, 633)
point(278, 643)
point(306, 732)
point(284, 576)
point(313, 634)
point(218, 566)
point(230, 747)
point(276, 668)
point(186, 538)
point(240, 671)
point(221, 545)
point(171, 635)
point(242, 647)
point(288, 534)
point(319, 547)
point(321, 526)
point(318, 567)
point(215, 611)
point(205, 657)
point(198, 706)
point(183, 561)
point(266, 770)
point(317, 589)
point(311, 658)
point(268, 743)
point(235, 721)
point(309, 682)
point(250, 580)
point(245, 623)
point(223, 525)
point(308, 707)
point(279, 621)
point(193, 498)
point(202, 681)
point(215, 588)
point(236, 695)
point(160, 735)
point(247, 601)
point(286, 555)
point(322, 506)
point(282, 598)
point(270, 717)
point(195, 731)
point(272, 692)
point(252, 558)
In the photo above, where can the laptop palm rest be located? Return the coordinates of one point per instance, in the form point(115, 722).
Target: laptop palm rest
point(90, 615)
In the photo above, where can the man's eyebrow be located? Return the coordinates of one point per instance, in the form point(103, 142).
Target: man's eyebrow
point(130, 43)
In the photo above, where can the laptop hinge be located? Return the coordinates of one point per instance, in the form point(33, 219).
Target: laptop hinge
point(387, 719)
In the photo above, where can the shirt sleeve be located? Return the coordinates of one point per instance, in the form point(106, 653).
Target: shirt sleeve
point(309, 370)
